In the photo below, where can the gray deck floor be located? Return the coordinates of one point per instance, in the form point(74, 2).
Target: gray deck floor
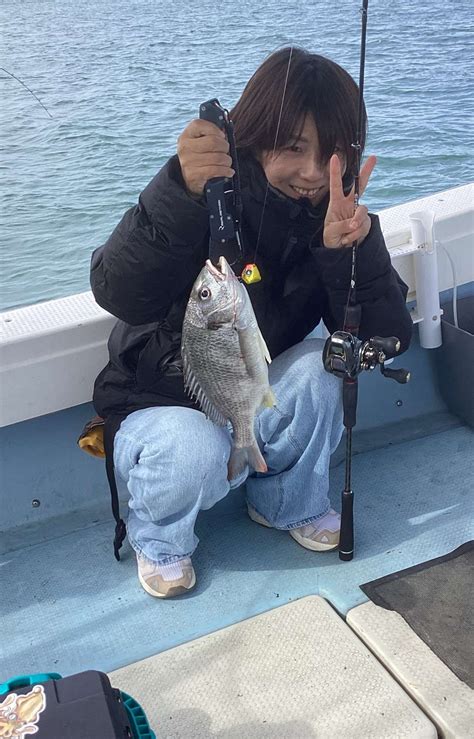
point(67, 606)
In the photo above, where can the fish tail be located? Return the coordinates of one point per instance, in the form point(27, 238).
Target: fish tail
point(256, 459)
point(241, 457)
point(269, 399)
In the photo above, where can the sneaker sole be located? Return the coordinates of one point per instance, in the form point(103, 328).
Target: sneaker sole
point(314, 546)
point(258, 518)
point(172, 592)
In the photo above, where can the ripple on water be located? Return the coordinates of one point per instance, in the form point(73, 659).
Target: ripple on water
point(122, 80)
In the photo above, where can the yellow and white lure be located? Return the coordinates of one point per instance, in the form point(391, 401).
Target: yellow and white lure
point(251, 274)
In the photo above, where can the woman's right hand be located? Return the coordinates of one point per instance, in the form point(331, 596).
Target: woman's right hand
point(203, 153)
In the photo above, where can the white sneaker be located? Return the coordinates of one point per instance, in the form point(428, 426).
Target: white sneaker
point(166, 581)
point(321, 535)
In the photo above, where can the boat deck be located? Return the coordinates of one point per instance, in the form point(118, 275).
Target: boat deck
point(69, 606)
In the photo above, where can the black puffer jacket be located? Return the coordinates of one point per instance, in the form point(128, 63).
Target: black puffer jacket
point(145, 271)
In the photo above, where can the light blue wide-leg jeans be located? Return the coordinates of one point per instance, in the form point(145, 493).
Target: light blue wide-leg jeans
point(173, 461)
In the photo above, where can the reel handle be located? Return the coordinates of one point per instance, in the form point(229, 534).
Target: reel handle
point(401, 376)
point(386, 344)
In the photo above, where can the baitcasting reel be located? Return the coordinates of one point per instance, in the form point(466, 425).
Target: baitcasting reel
point(345, 356)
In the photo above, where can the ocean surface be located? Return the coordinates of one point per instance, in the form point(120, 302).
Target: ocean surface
point(122, 78)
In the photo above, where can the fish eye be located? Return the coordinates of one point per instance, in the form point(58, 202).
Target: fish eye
point(204, 293)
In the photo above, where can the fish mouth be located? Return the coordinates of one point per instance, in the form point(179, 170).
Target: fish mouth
point(221, 272)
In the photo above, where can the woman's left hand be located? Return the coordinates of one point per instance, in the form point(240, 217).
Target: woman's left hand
point(342, 226)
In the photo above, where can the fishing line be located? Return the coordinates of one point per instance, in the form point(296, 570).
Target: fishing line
point(274, 149)
point(26, 86)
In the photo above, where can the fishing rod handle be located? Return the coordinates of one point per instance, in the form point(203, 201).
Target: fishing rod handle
point(352, 318)
point(346, 539)
point(349, 401)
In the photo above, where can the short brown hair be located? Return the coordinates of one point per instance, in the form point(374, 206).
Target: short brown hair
point(316, 85)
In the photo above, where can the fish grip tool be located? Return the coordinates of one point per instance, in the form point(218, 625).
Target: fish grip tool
point(223, 196)
point(346, 356)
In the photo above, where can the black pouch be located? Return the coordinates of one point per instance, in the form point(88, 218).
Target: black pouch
point(97, 439)
point(91, 439)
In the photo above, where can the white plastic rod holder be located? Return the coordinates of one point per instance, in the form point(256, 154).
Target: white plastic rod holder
point(426, 275)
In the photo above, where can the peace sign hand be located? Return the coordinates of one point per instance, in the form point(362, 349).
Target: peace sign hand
point(342, 226)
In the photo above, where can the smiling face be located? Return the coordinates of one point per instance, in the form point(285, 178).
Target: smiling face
point(298, 95)
point(297, 169)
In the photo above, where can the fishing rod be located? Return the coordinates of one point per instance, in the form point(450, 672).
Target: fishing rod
point(344, 354)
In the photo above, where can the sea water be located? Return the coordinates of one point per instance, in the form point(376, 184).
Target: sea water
point(122, 78)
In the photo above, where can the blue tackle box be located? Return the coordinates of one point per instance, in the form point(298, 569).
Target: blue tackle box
point(81, 706)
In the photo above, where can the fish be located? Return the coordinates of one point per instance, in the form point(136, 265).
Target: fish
point(225, 360)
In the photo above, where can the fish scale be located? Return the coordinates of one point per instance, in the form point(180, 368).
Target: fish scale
point(213, 358)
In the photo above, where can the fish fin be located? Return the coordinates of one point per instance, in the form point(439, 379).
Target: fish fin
point(254, 352)
point(194, 390)
point(241, 457)
point(242, 328)
point(269, 400)
point(264, 347)
point(256, 459)
point(212, 413)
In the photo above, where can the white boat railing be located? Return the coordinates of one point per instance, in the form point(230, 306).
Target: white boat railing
point(51, 352)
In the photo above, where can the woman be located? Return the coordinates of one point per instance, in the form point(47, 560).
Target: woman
point(295, 125)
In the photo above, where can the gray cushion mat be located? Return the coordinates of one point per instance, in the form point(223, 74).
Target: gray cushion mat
point(435, 598)
point(295, 672)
